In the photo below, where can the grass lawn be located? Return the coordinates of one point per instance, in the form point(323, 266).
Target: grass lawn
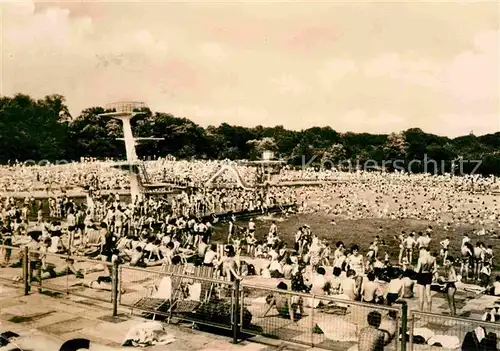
point(363, 231)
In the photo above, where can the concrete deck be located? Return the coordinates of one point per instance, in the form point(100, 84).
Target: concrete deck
point(50, 321)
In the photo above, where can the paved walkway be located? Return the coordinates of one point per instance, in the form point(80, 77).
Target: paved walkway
point(50, 321)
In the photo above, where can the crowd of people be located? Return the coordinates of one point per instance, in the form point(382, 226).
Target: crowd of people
point(26, 177)
point(170, 230)
point(22, 177)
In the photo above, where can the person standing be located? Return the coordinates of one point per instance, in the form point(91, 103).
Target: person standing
point(71, 221)
point(355, 262)
point(444, 248)
point(409, 245)
point(231, 229)
point(35, 268)
point(426, 268)
point(450, 288)
point(401, 239)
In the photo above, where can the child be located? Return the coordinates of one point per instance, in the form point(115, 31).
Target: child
point(488, 255)
point(375, 245)
point(259, 250)
point(444, 248)
point(39, 216)
point(410, 243)
point(485, 275)
point(336, 281)
point(401, 239)
point(210, 258)
point(237, 245)
point(325, 255)
point(251, 241)
point(371, 251)
point(387, 260)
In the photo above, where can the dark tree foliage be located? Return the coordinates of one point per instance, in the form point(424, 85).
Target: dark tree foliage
point(33, 129)
point(42, 129)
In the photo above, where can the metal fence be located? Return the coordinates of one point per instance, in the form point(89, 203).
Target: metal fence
point(318, 321)
point(196, 294)
point(183, 296)
point(11, 263)
point(427, 331)
point(63, 274)
point(75, 275)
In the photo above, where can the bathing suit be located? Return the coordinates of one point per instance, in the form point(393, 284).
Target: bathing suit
point(449, 286)
point(424, 278)
point(391, 298)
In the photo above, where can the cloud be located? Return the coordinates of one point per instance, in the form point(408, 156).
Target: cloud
point(333, 71)
point(290, 84)
point(414, 71)
point(312, 37)
point(47, 51)
point(473, 75)
point(213, 51)
point(360, 67)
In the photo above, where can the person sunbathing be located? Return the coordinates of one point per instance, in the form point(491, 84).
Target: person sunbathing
point(395, 288)
point(286, 305)
point(151, 250)
point(408, 284)
point(370, 290)
point(348, 286)
point(230, 266)
point(137, 258)
point(93, 241)
point(320, 285)
point(210, 259)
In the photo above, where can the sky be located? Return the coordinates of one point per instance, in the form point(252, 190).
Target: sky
point(376, 67)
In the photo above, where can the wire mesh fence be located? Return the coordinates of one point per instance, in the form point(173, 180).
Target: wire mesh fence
point(74, 275)
point(319, 321)
point(179, 292)
point(346, 324)
point(137, 283)
point(11, 263)
point(428, 331)
point(196, 294)
point(278, 314)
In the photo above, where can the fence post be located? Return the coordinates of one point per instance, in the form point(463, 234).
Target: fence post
point(412, 326)
point(404, 325)
point(115, 288)
point(312, 323)
point(26, 271)
point(236, 309)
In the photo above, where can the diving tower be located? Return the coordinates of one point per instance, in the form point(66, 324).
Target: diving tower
point(125, 112)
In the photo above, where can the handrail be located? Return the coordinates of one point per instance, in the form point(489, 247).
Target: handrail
point(459, 319)
point(320, 297)
point(72, 257)
point(169, 274)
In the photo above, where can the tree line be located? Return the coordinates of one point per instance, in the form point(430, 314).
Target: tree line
point(43, 129)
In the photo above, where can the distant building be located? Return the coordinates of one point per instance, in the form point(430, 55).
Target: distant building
point(268, 155)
